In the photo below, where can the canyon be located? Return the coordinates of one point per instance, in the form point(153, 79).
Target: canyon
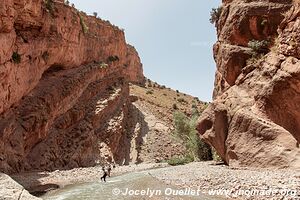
point(255, 115)
point(73, 97)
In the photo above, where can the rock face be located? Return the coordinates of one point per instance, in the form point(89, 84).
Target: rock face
point(254, 119)
point(64, 86)
point(11, 190)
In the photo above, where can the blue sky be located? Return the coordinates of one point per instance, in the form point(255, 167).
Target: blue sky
point(173, 37)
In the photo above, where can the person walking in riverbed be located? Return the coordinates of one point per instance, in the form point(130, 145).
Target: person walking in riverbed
point(103, 178)
point(108, 171)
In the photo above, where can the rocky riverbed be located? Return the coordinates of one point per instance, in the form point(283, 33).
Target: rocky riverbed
point(238, 183)
point(209, 177)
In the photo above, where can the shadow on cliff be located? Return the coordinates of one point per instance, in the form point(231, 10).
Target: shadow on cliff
point(136, 130)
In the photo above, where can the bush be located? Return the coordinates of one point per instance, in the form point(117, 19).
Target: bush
point(181, 100)
point(67, 2)
point(215, 14)
point(149, 92)
point(216, 156)
point(180, 160)
point(258, 46)
point(84, 27)
point(103, 65)
point(16, 57)
point(50, 6)
point(95, 14)
point(175, 107)
point(185, 130)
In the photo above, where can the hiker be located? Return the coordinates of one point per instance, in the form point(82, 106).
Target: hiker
point(103, 178)
point(108, 171)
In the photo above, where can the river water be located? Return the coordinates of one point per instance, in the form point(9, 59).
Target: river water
point(136, 185)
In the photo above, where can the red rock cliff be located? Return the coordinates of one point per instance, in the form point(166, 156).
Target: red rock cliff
point(64, 86)
point(254, 119)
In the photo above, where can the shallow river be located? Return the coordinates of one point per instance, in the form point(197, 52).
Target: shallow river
point(137, 185)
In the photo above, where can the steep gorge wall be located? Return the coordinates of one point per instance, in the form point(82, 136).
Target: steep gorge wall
point(57, 97)
point(254, 119)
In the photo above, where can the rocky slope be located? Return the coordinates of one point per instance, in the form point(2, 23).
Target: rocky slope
point(254, 119)
point(64, 86)
point(151, 127)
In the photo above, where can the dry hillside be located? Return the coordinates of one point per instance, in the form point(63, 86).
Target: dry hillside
point(152, 117)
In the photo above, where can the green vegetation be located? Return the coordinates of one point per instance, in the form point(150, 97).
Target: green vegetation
point(85, 28)
point(49, 5)
point(181, 100)
point(180, 160)
point(95, 14)
point(149, 92)
point(175, 107)
point(259, 49)
point(215, 155)
point(215, 14)
point(185, 130)
point(264, 22)
point(258, 46)
point(16, 57)
point(103, 65)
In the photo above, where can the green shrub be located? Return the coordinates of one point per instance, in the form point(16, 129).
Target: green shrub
point(258, 46)
point(215, 14)
point(181, 100)
point(259, 49)
point(264, 22)
point(49, 5)
point(215, 155)
point(149, 92)
point(103, 65)
point(180, 160)
point(16, 57)
point(84, 27)
point(95, 14)
point(185, 130)
point(175, 107)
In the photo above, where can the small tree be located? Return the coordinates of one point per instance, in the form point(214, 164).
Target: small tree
point(215, 15)
point(95, 14)
point(185, 129)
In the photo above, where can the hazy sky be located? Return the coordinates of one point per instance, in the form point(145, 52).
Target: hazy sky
point(173, 37)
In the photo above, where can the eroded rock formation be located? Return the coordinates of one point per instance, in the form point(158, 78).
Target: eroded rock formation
point(254, 119)
point(63, 86)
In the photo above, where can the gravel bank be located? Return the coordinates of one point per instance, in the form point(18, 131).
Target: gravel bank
point(209, 176)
